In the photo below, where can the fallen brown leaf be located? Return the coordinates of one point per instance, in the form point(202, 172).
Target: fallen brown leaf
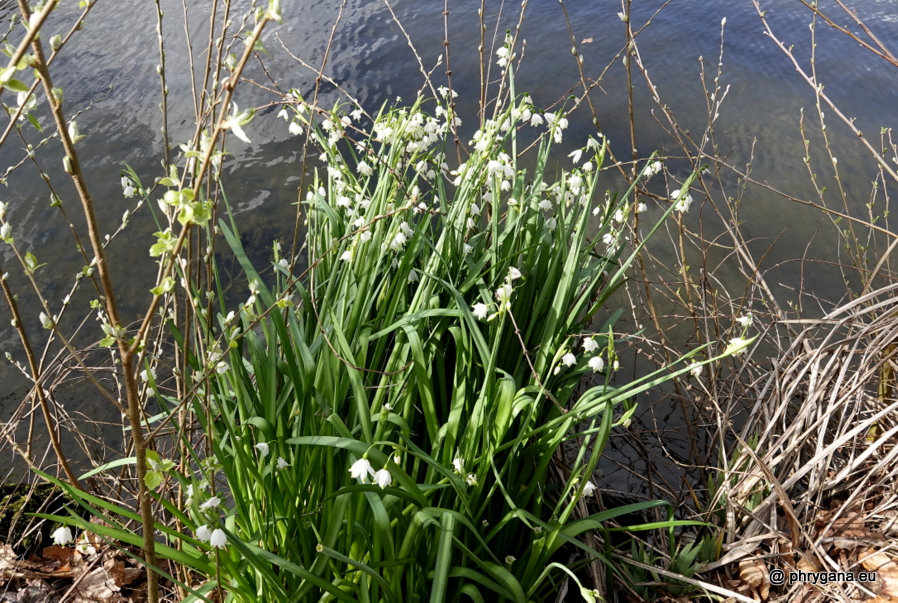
point(848, 531)
point(121, 575)
point(8, 558)
point(58, 553)
point(97, 587)
point(36, 591)
point(753, 572)
point(806, 563)
point(887, 569)
point(11, 567)
point(808, 594)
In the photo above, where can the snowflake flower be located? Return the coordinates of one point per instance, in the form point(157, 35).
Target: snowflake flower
point(398, 241)
point(383, 478)
point(361, 469)
point(365, 169)
point(203, 533)
point(218, 539)
point(62, 536)
point(503, 294)
point(737, 346)
point(212, 502)
point(683, 200)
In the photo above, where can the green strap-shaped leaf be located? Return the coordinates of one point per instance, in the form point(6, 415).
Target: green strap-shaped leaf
point(444, 559)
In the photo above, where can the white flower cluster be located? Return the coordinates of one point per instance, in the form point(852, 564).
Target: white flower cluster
point(682, 199)
point(414, 131)
point(444, 92)
point(458, 464)
point(612, 242)
point(216, 538)
point(205, 513)
point(596, 362)
point(652, 169)
point(295, 121)
point(556, 125)
point(503, 297)
point(128, 189)
point(361, 470)
point(6, 228)
point(425, 168)
point(505, 53)
point(503, 168)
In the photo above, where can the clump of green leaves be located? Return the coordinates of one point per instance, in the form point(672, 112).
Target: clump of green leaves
point(383, 424)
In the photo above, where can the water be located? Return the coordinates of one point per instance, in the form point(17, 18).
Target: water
point(108, 70)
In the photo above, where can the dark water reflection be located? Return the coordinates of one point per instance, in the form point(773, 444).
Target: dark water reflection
point(109, 68)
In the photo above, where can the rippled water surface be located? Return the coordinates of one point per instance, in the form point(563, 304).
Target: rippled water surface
point(108, 71)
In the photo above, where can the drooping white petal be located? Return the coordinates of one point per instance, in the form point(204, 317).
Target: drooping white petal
point(203, 533)
point(383, 478)
point(62, 536)
point(361, 470)
point(218, 539)
point(212, 502)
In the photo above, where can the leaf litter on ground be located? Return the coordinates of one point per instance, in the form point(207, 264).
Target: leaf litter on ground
point(104, 576)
